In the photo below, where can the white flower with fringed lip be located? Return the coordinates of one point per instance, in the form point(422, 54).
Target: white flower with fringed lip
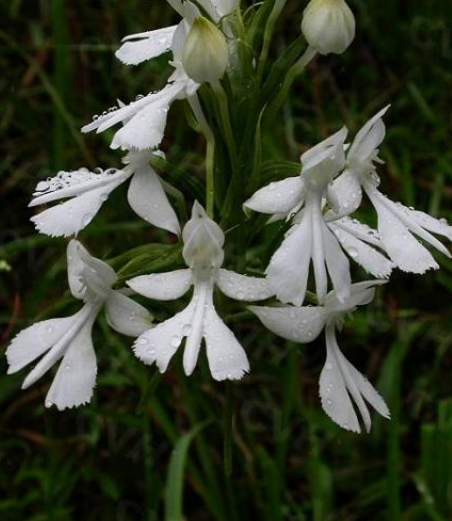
point(68, 340)
point(203, 254)
point(87, 191)
point(399, 227)
point(340, 383)
point(301, 199)
point(144, 120)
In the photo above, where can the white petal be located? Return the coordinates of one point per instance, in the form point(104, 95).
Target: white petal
point(288, 271)
point(180, 36)
point(33, 342)
point(227, 358)
point(78, 182)
point(225, 7)
point(89, 278)
point(146, 128)
point(361, 294)
point(163, 286)
point(292, 323)
point(344, 195)
point(279, 197)
point(402, 247)
point(337, 264)
point(203, 242)
point(242, 287)
point(324, 161)
point(148, 199)
point(75, 379)
point(127, 316)
point(368, 391)
point(438, 226)
point(202, 301)
point(359, 230)
point(86, 315)
point(369, 258)
point(369, 138)
point(75, 266)
point(339, 382)
point(68, 218)
point(145, 46)
point(318, 250)
point(335, 399)
point(158, 345)
point(124, 113)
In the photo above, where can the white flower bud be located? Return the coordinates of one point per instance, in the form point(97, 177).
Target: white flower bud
point(328, 26)
point(205, 56)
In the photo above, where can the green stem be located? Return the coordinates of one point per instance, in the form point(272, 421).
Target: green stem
point(210, 153)
point(228, 418)
point(226, 121)
point(291, 76)
point(268, 35)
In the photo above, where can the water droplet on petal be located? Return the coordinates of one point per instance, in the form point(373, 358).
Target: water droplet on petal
point(87, 219)
point(176, 341)
point(187, 329)
point(353, 252)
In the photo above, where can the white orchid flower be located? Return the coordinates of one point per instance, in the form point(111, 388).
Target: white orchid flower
point(341, 385)
point(203, 254)
point(399, 227)
point(145, 118)
point(68, 340)
point(87, 191)
point(309, 238)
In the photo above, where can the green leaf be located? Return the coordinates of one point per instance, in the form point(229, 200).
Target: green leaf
point(175, 477)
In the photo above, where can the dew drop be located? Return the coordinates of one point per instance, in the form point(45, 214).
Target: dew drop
point(176, 341)
point(49, 329)
point(87, 219)
point(187, 329)
point(353, 252)
point(143, 341)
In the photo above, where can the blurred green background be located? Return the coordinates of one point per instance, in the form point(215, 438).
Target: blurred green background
point(115, 458)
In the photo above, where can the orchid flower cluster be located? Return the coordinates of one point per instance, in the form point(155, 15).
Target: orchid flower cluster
point(322, 236)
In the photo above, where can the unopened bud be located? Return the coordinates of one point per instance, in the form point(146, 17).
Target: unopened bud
point(328, 26)
point(205, 56)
